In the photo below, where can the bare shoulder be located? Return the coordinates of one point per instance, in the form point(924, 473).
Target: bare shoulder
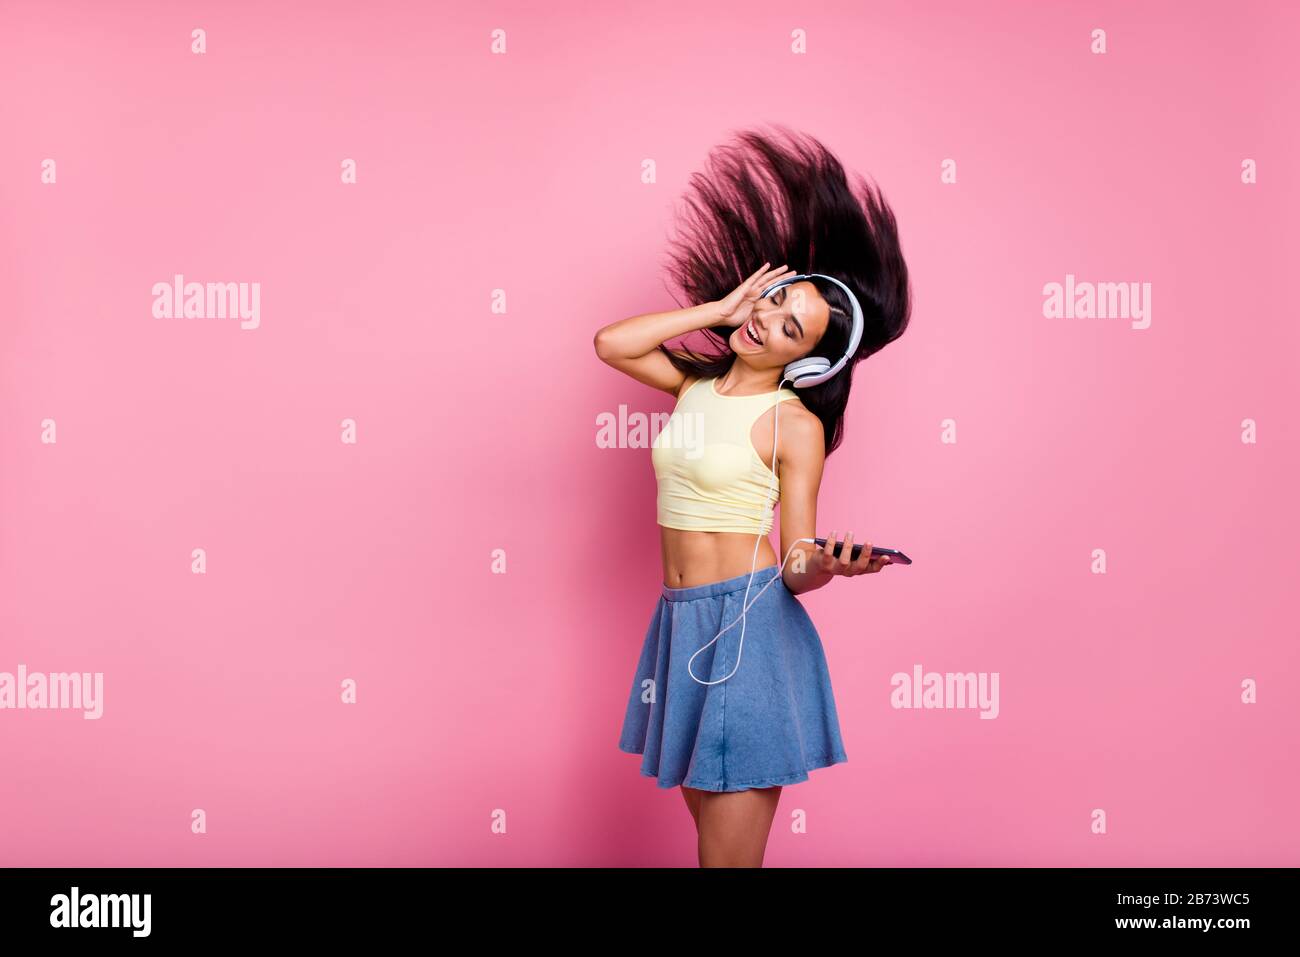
point(802, 419)
point(801, 433)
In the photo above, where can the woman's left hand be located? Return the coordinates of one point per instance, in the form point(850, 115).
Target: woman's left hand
point(865, 564)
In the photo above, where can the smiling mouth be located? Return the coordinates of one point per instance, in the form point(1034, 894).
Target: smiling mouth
point(751, 334)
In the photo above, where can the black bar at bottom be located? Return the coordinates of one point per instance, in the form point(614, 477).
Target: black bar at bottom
point(379, 905)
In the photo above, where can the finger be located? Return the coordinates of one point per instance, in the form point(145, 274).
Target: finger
point(754, 287)
point(828, 551)
point(864, 560)
point(847, 550)
point(746, 288)
point(765, 276)
point(777, 274)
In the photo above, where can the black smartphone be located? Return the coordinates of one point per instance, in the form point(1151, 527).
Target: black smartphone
point(894, 554)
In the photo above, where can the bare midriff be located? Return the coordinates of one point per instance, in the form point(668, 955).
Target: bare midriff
point(701, 558)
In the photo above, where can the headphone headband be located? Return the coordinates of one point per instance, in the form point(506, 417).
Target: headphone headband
point(815, 370)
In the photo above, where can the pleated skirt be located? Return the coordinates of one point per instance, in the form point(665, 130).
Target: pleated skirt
point(770, 723)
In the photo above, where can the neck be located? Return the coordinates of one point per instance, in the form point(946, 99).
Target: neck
point(742, 379)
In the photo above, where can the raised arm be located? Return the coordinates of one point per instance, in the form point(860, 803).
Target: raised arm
point(632, 345)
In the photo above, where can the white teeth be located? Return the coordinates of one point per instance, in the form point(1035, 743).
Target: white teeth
point(749, 328)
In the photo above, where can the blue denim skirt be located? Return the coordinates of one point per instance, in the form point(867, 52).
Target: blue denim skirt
point(769, 724)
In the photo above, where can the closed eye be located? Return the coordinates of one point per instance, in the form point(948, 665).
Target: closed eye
point(781, 295)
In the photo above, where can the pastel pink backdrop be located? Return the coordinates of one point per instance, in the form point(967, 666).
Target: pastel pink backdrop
point(476, 430)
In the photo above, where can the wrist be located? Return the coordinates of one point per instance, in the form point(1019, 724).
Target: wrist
point(711, 314)
point(809, 579)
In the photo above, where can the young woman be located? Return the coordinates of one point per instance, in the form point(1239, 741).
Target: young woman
point(732, 722)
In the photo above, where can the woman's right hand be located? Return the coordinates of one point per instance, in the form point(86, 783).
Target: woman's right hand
point(739, 303)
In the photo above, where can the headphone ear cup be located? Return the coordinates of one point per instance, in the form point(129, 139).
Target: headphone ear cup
point(806, 368)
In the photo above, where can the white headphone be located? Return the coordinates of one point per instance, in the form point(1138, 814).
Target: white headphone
point(802, 373)
point(814, 370)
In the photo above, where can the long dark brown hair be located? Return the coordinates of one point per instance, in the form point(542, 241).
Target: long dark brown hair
point(783, 197)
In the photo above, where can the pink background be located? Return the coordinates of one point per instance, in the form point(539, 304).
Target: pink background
point(476, 430)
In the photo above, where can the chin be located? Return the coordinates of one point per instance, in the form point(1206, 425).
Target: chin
point(748, 359)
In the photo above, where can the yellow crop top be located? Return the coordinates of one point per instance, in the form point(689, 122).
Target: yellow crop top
point(710, 476)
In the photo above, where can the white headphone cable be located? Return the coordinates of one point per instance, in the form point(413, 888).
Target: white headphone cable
point(745, 605)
